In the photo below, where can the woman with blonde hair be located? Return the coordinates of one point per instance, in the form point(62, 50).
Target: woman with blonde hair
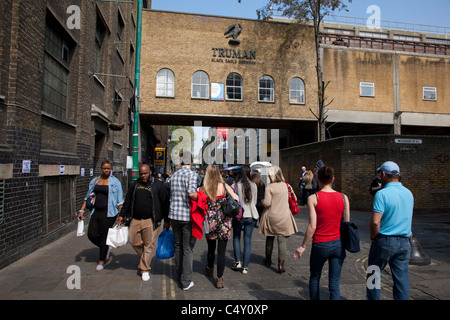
point(277, 220)
point(220, 226)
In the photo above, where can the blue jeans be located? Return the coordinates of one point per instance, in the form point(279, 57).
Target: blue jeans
point(248, 224)
point(334, 253)
point(396, 251)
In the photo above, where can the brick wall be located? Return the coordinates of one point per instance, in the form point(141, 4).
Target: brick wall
point(28, 133)
point(184, 44)
point(424, 167)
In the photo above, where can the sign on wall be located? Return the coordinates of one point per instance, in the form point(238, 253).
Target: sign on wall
point(217, 91)
point(159, 160)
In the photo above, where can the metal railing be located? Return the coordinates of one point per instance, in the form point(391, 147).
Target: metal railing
point(385, 44)
point(391, 25)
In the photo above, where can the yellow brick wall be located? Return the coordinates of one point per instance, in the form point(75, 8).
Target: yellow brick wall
point(345, 69)
point(184, 43)
point(418, 72)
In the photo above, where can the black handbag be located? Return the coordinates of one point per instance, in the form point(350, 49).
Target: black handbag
point(90, 201)
point(230, 206)
point(349, 233)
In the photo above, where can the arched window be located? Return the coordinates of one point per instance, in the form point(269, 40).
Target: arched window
point(297, 91)
point(200, 85)
point(234, 87)
point(165, 83)
point(266, 89)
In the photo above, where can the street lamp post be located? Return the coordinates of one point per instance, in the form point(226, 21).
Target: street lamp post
point(135, 149)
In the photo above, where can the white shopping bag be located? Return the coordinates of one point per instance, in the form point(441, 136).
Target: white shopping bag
point(117, 236)
point(80, 228)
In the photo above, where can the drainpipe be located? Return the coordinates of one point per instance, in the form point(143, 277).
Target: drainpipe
point(137, 75)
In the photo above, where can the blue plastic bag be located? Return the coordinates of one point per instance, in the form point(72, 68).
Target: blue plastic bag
point(166, 247)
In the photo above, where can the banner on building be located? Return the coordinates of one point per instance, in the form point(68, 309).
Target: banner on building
point(222, 138)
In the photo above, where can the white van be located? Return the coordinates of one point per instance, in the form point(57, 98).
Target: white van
point(262, 166)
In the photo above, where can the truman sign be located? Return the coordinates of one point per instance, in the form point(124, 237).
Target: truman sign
point(233, 56)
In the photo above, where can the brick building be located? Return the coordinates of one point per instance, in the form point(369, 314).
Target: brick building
point(382, 82)
point(378, 85)
point(66, 77)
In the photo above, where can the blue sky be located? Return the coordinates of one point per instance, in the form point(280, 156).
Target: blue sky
point(431, 12)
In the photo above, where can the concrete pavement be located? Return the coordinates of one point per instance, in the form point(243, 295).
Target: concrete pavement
point(47, 274)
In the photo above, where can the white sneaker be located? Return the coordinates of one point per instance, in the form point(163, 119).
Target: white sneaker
point(244, 270)
point(236, 266)
point(99, 267)
point(145, 276)
point(189, 286)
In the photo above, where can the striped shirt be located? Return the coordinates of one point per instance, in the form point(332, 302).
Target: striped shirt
point(183, 182)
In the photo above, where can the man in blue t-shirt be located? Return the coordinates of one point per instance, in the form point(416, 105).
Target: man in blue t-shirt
point(390, 229)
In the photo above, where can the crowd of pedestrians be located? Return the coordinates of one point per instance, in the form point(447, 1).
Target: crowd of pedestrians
point(192, 205)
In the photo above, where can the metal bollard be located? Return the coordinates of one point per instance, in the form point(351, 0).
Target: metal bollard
point(418, 256)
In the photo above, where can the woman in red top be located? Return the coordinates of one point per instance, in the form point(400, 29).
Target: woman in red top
point(326, 209)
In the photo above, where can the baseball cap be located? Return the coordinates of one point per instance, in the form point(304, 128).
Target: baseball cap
point(390, 167)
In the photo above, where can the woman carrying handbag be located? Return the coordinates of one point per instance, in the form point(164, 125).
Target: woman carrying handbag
point(326, 209)
point(219, 224)
point(108, 203)
point(248, 194)
point(277, 220)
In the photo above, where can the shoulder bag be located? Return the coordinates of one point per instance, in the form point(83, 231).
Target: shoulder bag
point(293, 204)
point(230, 207)
point(90, 201)
point(349, 232)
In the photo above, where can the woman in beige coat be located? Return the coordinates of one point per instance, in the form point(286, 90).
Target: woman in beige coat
point(277, 220)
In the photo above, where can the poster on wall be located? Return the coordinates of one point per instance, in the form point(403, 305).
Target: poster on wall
point(222, 138)
point(217, 91)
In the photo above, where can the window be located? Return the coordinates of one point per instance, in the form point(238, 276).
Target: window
point(58, 202)
point(200, 85)
point(297, 91)
point(119, 35)
point(165, 83)
point(120, 25)
point(367, 89)
point(234, 87)
point(429, 94)
point(100, 50)
point(266, 89)
point(56, 70)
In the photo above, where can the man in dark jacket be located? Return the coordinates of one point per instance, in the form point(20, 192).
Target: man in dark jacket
point(146, 204)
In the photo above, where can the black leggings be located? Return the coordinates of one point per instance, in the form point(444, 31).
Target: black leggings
point(222, 247)
point(99, 225)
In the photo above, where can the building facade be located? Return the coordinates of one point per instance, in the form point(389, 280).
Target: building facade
point(249, 73)
point(240, 73)
point(66, 77)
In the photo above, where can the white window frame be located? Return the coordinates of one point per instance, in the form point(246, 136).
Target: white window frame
point(298, 89)
point(234, 86)
point(270, 91)
point(429, 89)
point(200, 85)
point(165, 83)
point(366, 85)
